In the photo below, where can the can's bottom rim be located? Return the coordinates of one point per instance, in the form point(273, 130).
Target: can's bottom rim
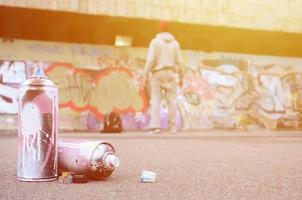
point(36, 179)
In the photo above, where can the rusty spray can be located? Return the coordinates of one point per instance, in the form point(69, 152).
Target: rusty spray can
point(37, 129)
point(95, 159)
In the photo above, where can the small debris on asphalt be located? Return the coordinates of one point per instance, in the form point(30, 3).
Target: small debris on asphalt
point(148, 176)
point(79, 178)
point(66, 178)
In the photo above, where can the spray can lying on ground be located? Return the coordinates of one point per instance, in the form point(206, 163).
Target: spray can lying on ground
point(95, 159)
point(37, 129)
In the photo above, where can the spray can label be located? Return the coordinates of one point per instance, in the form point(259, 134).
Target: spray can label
point(37, 149)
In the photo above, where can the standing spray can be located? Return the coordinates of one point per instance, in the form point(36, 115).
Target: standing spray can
point(37, 129)
point(95, 159)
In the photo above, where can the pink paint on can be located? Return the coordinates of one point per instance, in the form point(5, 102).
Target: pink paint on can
point(37, 129)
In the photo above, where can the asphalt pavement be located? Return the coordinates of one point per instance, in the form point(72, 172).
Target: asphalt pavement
point(189, 165)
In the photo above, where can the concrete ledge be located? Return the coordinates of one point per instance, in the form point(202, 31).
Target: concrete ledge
point(185, 134)
point(179, 135)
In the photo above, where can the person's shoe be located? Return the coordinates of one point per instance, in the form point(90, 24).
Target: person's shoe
point(173, 131)
point(154, 131)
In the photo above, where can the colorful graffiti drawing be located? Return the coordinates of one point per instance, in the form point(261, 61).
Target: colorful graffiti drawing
point(218, 92)
point(237, 97)
point(8, 99)
point(12, 73)
point(294, 80)
point(100, 92)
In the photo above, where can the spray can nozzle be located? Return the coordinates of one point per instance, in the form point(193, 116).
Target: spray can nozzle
point(112, 161)
point(39, 73)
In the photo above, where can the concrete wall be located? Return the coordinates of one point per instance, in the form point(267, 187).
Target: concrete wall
point(221, 90)
point(277, 15)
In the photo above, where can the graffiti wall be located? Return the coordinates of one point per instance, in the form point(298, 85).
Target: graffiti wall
point(220, 90)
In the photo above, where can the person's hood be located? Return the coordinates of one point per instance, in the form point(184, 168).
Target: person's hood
point(165, 36)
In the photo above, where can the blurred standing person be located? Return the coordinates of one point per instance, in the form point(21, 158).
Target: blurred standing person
point(163, 64)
